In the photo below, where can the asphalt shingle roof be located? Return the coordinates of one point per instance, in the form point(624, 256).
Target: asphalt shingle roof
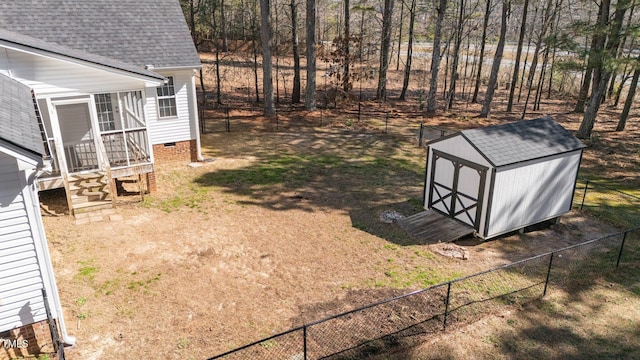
point(136, 32)
point(28, 41)
point(18, 122)
point(519, 141)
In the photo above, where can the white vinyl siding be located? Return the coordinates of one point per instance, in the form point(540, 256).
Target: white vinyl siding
point(21, 280)
point(178, 128)
point(533, 192)
point(50, 76)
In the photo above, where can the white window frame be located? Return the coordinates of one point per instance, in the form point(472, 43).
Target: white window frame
point(104, 110)
point(167, 92)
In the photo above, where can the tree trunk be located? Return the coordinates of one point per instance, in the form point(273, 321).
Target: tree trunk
point(310, 92)
point(295, 95)
point(516, 67)
point(456, 56)
point(255, 65)
point(630, 95)
point(534, 61)
point(385, 43)
point(223, 27)
point(435, 58)
point(407, 66)
point(400, 35)
point(346, 80)
point(597, 43)
point(589, 119)
point(267, 71)
point(485, 24)
point(497, 59)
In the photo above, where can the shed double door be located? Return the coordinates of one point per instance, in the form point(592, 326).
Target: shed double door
point(456, 188)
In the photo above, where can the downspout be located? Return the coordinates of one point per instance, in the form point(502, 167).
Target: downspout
point(194, 106)
point(67, 339)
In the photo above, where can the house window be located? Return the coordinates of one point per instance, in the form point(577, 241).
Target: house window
point(167, 99)
point(105, 112)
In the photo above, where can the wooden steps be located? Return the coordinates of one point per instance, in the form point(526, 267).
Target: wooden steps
point(87, 192)
point(430, 227)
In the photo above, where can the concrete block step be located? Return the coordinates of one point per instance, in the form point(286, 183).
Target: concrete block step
point(92, 206)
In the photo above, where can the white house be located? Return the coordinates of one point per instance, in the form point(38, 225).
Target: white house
point(25, 265)
point(504, 177)
point(115, 88)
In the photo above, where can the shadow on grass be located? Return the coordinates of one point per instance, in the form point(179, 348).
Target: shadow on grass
point(362, 183)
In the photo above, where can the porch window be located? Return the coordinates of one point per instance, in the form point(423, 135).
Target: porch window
point(104, 108)
point(167, 99)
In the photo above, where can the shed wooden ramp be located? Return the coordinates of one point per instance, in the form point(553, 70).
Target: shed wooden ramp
point(430, 227)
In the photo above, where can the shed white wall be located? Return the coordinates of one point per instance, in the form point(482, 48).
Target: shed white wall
point(48, 76)
point(459, 147)
point(178, 128)
point(23, 273)
point(531, 192)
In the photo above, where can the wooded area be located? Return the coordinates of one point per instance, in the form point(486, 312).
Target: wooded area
point(586, 53)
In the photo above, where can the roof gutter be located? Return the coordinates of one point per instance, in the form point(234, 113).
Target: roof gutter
point(54, 295)
point(175, 67)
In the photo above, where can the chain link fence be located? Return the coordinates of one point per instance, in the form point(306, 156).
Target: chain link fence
point(375, 119)
point(392, 324)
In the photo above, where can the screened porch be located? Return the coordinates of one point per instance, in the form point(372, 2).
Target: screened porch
point(87, 133)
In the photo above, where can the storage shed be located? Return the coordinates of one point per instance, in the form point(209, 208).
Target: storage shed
point(502, 178)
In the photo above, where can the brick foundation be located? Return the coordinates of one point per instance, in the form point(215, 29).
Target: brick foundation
point(31, 340)
point(151, 182)
point(178, 151)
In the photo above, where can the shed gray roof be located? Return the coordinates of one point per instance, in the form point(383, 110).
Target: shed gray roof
point(520, 141)
point(139, 32)
point(18, 122)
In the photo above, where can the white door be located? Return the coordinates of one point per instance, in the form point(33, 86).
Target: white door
point(456, 188)
point(77, 137)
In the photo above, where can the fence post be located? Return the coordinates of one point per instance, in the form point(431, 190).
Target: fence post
point(421, 134)
point(226, 110)
point(546, 282)
point(624, 237)
point(446, 306)
point(584, 195)
point(304, 342)
point(386, 123)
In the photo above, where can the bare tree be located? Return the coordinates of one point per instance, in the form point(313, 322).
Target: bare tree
point(435, 57)
point(622, 122)
point(295, 95)
point(310, 93)
point(599, 88)
point(516, 67)
point(223, 27)
point(546, 21)
point(485, 24)
point(267, 70)
point(495, 67)
point(346, 79)
point(385, 43)
point(407, 66)
point(456, 56)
